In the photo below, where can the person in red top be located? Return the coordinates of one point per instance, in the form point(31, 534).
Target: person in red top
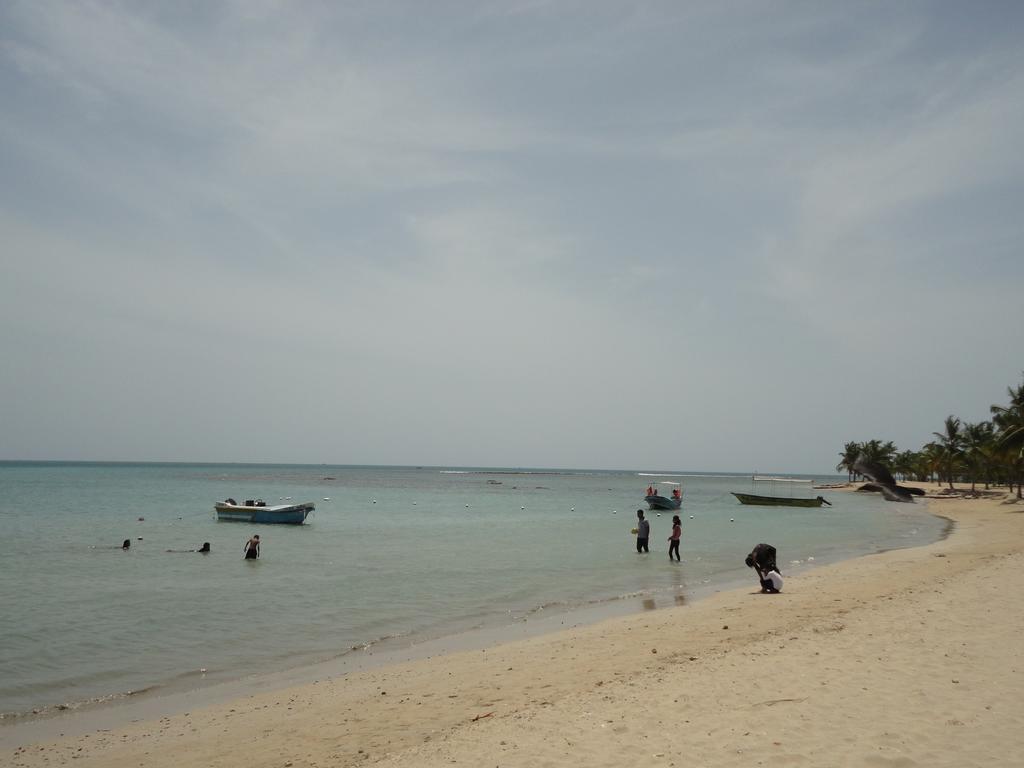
point(676, 493)
point(673, 540)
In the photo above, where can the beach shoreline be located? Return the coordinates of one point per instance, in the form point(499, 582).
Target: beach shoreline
point(196, 688)
point(97, 650)
point(632, 688)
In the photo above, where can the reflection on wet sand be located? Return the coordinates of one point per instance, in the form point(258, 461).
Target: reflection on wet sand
point(651, 603)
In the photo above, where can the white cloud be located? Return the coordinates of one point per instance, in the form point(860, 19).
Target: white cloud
point(525, 226)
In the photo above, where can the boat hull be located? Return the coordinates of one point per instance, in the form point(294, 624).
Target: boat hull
point(775, 501)
point(662, 502)
point(289, 514)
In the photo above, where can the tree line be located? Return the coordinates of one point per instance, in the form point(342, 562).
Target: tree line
point(989, 452)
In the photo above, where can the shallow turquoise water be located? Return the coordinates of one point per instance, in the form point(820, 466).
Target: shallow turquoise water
point(395, 552)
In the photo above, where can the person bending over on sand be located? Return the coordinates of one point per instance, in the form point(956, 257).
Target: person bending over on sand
point(762, 559)
point(252, 547)
point(643, 532)
point(673, 540)
point(772, 582)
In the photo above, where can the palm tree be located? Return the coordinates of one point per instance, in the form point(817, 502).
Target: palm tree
point(952, 444)
point(906, 463)
point(848, 457)
point(978, 441)
point(1009, 422)
point(931, 461)
point(876, 450)
point(922, 466)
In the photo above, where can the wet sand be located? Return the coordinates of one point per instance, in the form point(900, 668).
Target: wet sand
point(904, 658)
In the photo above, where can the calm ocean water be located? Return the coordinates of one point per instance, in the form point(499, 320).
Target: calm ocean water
point(395, 553)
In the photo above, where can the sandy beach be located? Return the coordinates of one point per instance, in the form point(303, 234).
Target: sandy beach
point(903, 658)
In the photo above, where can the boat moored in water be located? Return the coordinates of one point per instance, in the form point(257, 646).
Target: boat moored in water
point(656, 501)
point(778, 501)
point(662, 502)
point(257, 511)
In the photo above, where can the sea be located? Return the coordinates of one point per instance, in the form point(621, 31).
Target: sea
point(391, 557)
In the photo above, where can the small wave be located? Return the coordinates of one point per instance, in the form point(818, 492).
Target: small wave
point(366, 646)
point(710, 476)
point(53, 709)
point(572, 605)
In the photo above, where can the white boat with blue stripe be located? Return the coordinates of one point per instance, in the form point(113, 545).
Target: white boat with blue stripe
point(257, 511)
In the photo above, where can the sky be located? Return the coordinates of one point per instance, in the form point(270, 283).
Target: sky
point(722, 236)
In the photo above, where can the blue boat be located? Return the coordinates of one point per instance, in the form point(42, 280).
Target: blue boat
point(656, 501)
point(256, 511)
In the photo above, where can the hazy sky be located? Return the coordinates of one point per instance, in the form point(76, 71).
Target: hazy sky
point(678, 235)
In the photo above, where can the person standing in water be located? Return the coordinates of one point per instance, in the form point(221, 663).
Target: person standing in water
point(673, 540)
point(252, 547)
point(643, 532)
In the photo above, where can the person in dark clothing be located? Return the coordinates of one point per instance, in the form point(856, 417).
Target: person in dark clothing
point(643, 532)
point(762, 559)
point(252, 547)
point(673, 540)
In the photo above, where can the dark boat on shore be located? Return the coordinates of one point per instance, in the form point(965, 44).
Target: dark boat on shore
point(778, 501)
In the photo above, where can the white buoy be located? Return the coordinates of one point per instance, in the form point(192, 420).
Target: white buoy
point(732, 519)
point(374, 501)
point(572, 509)
point(691, 517)
point(327, 498)
point(522, 507)
point(467, 506)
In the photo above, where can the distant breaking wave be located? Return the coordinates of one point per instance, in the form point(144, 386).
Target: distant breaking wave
point(691, 474)
point(508, 472)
